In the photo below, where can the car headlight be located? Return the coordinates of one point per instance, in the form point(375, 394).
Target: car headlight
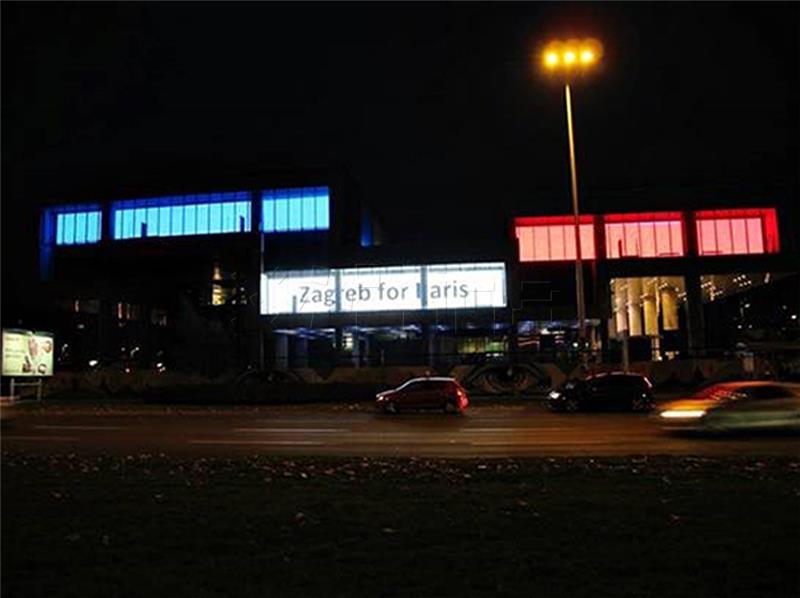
point(683, 413)
point(554, 394)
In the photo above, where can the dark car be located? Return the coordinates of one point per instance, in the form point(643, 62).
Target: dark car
point(442, 394)
point(736, 406)
point(604, 392)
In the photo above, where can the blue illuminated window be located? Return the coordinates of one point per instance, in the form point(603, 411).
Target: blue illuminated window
point(293, 210)
point(209, 213)
point(73, 225)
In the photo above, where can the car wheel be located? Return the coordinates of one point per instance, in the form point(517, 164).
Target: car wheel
point(449, 407)
point(571, 405)
point(640, 404)
point(391, 407)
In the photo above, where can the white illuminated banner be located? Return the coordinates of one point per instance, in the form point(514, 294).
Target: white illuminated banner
point(395, 288)
point(27, 353)
point(299, 292)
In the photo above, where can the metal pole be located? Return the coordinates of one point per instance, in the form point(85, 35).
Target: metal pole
point(578, 262)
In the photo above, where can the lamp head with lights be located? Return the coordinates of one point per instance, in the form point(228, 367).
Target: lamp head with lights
point(571, 57)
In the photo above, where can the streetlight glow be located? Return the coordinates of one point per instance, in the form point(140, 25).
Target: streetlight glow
point(571, 56)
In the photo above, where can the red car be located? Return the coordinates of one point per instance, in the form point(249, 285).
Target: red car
point(442, 394)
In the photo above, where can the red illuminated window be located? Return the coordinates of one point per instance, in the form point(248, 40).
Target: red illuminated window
point(552, 238)
point(654, 234)
point(732, 232)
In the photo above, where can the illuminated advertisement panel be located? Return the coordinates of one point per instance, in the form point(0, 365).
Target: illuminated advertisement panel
point(27, 353)
point(394, 288)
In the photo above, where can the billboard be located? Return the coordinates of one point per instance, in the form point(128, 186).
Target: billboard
point(27, 353)
point(393, 288)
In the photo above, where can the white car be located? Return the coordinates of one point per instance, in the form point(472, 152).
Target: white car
point(731, 406)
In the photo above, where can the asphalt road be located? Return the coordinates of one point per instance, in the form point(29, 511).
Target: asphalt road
point(488, 430)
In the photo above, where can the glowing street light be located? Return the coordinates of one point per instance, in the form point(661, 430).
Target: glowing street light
point(571, 59)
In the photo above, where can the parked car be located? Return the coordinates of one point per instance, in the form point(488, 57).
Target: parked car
point(443, 394)
point(603, 392)
point(730, 406)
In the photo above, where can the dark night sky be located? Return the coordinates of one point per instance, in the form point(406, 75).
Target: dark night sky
point(434, 109)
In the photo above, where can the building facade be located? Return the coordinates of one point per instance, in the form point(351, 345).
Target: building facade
point(293, 271)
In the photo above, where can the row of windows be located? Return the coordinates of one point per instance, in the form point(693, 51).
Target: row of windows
point(291, 210)
point(78, 228)
point(659, 234)
point(645, 239)
point(554, 242)
point(730, 236)
point(175, 221)
point(284, 210)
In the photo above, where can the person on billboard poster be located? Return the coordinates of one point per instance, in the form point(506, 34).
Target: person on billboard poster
point(35, 360)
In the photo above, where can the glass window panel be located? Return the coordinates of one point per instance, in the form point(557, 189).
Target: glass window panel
point(570, 250)
point(309, 212)
point(117, 224)
point(59, 229)
point(323, 218)
point(175, 218)
point(676, 238)
point(615, 242)
point(152, 221)
point(281, 215)
point(647, 238)
point(724, 241)
point(242, 216)
point(189, 220)
point(755, 235)
point(229, 224)
point(587, 241)
point(707, 238)
point(163, 224)
point(268, 216)
point(139, 217)
point(127, 224)
point(556, 242)
point(93, 227)
point(632, 244)
point(739, 233)
point(295, 213)
point(69, 229)
point(215, 218)
point(202, 219)
point(80, 227)
point(527, 243)
point(541, 243)
point(662, 238)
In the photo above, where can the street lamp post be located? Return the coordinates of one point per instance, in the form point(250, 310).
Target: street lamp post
point(570, 59)
point(576, 212)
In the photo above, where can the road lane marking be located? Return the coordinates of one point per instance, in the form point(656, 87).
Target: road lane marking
point(531, 429)
point(304, 430)
point(261, 442)
point(542, 443)
point(43, 427)
point(42, 438)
